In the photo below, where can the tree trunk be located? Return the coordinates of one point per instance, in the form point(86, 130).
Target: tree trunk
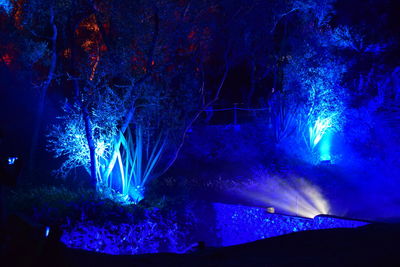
point(196, 116)
point(131, 111)
point(42, 94)
point(89, 136)
point(92, 146)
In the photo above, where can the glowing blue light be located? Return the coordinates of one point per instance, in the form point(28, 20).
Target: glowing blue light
point(12, 160)
point(136, 193)
point(47, 232)
point(319, 129)
point(325, 146)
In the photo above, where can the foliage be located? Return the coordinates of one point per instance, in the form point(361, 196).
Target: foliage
point(319, 76)
point(68, 138)
point(151, 234)
point(346, 37)
point(124, 163)
point(283, 116)
point(144, 80)
point(6, 5)
point(312, 81)
point(50, 204)
point(136, 164)
point(91, 222)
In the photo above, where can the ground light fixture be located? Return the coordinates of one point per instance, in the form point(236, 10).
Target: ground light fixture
point(294, 195)
point(11, 160)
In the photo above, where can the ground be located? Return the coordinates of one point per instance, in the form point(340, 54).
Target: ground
point(218, 164)
point(372, 245)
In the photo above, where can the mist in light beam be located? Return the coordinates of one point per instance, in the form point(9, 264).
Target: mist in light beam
point(295, 196)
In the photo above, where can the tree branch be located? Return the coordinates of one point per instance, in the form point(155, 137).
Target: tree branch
point(196, 116)
point(282, 16)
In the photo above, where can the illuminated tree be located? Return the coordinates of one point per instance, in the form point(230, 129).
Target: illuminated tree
point(136, 94)
point(319, 78)
point(6, 5)
point(312, 99)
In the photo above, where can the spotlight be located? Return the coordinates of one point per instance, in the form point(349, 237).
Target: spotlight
point(11, 160)
point(271, 210)
point(47, 231)
point(293, 195)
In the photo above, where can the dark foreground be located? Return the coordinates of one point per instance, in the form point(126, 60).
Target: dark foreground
point(371, 245)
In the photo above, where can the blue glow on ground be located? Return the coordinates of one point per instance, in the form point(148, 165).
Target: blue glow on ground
point(241, 224)
point(235, 225)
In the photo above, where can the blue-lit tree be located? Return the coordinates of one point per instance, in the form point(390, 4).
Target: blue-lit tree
point(319, 78)
point(313, 98)
point(132, 147)
point(6, 5)
point(134, 100)
point(123, 163)
point(324, 105)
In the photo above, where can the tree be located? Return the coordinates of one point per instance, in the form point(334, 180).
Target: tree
point(312, 99)
point(6, 5)
point(136, 98)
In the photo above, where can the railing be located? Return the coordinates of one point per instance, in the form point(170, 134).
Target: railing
point(235, 110)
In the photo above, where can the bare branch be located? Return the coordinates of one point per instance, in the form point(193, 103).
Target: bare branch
point(196, 116)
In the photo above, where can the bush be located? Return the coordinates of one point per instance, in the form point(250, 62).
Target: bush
point(93, 223)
